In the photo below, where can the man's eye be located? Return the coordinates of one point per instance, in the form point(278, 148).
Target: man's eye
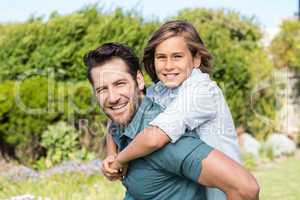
point(99, 91)
point(120, 84)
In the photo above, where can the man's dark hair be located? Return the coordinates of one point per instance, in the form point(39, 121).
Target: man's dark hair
point(109, 51)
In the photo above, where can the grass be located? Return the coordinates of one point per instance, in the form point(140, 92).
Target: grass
point(64, 187)
point(278, 181)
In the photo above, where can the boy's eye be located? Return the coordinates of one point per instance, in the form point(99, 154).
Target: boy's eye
point(177, 56)
point(160, 57)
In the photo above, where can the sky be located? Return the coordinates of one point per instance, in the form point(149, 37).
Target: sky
point(268, 13)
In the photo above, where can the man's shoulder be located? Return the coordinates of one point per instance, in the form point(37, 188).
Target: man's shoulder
point(151, 106)
point(150, 111)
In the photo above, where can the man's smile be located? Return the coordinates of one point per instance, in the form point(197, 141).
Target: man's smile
point(119, 107)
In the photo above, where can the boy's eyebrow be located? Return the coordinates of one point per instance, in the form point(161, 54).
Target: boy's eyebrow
point(177, 52)
point(159, 53)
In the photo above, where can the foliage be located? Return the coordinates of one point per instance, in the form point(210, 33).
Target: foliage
point(28, 107)
point(60, 140)
point(60, 43)
point(54, 48)
point(285, 47)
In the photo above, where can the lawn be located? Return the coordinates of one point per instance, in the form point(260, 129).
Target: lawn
point(64, 187)
point(278, 181)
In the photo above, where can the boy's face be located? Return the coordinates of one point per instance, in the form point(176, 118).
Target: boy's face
point(173, 61)
point(116, 90)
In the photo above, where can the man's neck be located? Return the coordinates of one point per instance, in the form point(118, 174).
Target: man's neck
point(139, 101)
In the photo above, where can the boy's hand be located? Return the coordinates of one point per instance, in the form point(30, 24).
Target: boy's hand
point(117, 165)
point(122, 168)
point(107, 170)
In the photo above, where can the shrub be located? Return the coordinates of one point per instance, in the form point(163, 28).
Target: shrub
point(28, 107)
point(60, 140)
point(60, 42)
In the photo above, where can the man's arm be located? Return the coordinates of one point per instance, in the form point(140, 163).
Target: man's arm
point(111, 152)
point(111, 147)
point(194, 160)
point(220, 171)
point(149, 140)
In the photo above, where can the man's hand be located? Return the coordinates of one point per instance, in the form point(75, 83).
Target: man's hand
point(107, 170)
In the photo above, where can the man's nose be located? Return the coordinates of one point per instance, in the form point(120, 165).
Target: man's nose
point(113, 97)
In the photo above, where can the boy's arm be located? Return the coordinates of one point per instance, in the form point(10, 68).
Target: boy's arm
point(149, 140)
point(185, 112)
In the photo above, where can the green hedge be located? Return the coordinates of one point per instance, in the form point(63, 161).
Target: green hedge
point(61, 42)
point(28, 107)
point(55, 47)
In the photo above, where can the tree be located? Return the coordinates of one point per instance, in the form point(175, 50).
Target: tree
point(285, 47)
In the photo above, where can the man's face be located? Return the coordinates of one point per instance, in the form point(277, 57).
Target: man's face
point(116, 90)
point(173, 61)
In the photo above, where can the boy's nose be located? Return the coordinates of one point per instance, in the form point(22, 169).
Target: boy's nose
point(169, 65)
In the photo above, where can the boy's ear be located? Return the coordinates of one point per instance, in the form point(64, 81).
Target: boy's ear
point(197, 60)
point(140, 80)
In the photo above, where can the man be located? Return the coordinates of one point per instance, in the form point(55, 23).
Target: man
point(178, 170)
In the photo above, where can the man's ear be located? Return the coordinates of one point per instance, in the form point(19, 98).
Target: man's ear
point(197, 60)
point(140, 80)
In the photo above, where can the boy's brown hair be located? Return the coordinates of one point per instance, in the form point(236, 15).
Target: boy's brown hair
point(172, 29)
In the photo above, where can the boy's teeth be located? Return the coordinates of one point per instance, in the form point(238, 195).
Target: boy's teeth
point(170, 75)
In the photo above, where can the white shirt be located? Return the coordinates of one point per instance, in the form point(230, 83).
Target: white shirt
point(198, 103)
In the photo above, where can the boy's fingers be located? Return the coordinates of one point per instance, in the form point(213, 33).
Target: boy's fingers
point(113, 177)
point(107, 169)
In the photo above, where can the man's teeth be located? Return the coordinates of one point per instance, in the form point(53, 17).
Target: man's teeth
point(118, 106)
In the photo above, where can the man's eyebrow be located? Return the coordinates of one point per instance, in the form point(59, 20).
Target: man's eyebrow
point(100, 87)
point(120, 80)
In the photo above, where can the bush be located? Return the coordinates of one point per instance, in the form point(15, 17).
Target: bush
point(28, 107)
point(60, 43)
point(61, 141)
point(55, 48)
